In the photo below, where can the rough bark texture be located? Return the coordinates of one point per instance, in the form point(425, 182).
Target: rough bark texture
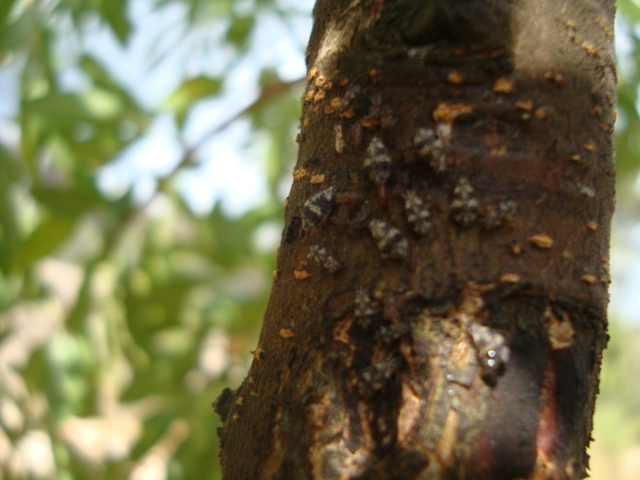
point(439, 304)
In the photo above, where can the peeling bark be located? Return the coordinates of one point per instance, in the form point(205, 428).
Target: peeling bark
point(439, 308)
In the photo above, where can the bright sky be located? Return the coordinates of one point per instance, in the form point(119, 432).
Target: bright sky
point(230, 171)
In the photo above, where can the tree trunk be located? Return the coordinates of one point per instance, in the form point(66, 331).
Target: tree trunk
point(439, 304)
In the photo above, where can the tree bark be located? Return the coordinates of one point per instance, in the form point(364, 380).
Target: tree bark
point(439, 304)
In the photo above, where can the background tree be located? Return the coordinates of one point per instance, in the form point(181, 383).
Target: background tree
point(127, 303)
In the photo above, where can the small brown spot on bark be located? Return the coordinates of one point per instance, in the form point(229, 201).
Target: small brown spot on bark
point(258, 354)
point(588, 278)
point(382, 194)
point(526, 105)
point(455, 77)
point(348, 113)
point(510, 278)
point(541, 240)
point(556, 77)
point(341, 331)
point(348, 197)
point(300, 274)
point(340, 143)
point(571, 23)
point(503, 85)
point(561, 331)
point(499, 150)
point(569, 469)
point(300, 173)
point(319, 178)
point(597, 110)
point(589, 47)
point(287, 333)
point(369, 122)
point(413, 257)
point(540, 113)
point(606, 127)
point(447, 112)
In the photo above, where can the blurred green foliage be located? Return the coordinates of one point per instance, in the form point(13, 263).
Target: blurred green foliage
point(122, 319)
point(617, 419)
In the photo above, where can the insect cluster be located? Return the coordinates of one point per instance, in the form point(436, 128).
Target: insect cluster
point(428, 143)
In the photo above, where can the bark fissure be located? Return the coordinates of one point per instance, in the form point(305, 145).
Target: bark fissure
point(439, 306)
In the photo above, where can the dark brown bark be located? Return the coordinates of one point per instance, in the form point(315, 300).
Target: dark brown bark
point(439, 306)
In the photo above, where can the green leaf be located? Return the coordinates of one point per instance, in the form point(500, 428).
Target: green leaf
point(88, 128)
point(630, 9)
point(67, 109)
point(203, 10)
point(15, 34)
point(70, 203)
point(5, 8)
point(115, 13)
point(45, 239)
point(627, 140)
point(186, 94)
point(240, 29)
point(11, 174)
point(102, 78)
